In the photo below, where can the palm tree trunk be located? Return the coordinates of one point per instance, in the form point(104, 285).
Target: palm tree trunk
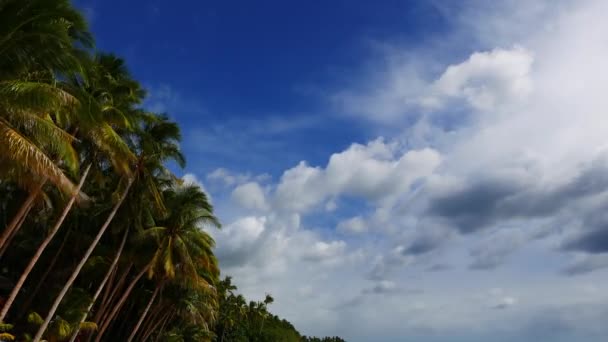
point(84, 259)
point(162, 327)
point(42, 247)
point(42, 279)
point(101, 286)
point(156, 315)
point(144, 314)
point(9, 239)
point(118, 326)
point(120, 303)
point(100, 316)
point(154, 326)
point(17, 220)
point(108, 287)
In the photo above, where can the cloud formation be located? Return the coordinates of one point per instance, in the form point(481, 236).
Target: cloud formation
point(492, 172)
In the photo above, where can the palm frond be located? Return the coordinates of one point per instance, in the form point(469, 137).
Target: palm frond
point(21, 150)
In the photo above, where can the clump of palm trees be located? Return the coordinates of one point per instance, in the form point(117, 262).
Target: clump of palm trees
point(98, 239)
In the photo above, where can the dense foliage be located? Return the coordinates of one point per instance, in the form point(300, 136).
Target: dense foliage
point(99, 240)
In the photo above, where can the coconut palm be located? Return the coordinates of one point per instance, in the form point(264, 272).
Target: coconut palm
point(156, 142)
point(184, 251)
point(38, 41)
point(110, 145)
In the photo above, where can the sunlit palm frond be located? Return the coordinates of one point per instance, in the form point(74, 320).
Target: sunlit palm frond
point(20, 95)
point(19, 149)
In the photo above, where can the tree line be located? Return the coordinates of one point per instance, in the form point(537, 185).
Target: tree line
point(99, 239)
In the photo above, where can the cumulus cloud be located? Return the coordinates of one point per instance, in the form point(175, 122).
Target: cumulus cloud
point(485, 80)
point(240, 241)
point(374, 172)
point(250, 196)
point(324, 251)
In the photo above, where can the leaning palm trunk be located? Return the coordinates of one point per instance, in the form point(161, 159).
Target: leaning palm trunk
point(80, 265)
point(102, 311)
point(143, 315)
point(9, 239)
point(101, 286)
point(121, 302)
point(164, 325)
point(155, 325)
point(152, 319)
point(24, 308)
point(42, 247)
point(18, 219)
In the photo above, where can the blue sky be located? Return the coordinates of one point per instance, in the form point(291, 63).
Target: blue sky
point(393, 171)
point(231, 64)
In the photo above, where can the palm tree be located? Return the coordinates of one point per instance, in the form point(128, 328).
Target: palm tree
point(263, 307)
point(156, 142)
point(28, 94)
point(183, 251)
point(116, 149)
point(41, 35)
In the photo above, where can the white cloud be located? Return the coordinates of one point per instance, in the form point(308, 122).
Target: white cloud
point(225, 176)
point(324, 251)
point(374, 172)
point(250, 196)
point(485, 80)
point(230, 178)
point(353, 225)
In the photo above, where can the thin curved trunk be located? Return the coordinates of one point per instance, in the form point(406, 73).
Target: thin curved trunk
point(108, 287)
point(121, 302)
point(14, 232)
point(100, 316)
point(19, 218)
point(162, 327)
point(42, 247)
point(119, 325)
point(80, 265)
point(143, 314)
point(101, 286)
point(42, 279)
point(153, 319)
point(154, 326)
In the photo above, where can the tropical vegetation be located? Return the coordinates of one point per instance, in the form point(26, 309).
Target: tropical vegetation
point(99, 239)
